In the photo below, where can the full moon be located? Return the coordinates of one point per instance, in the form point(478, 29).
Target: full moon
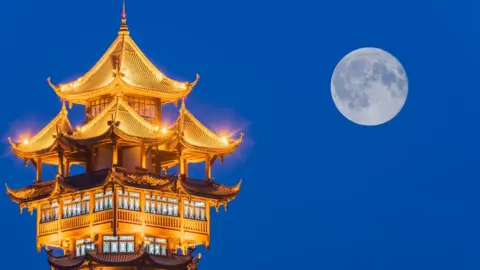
point(369, 86)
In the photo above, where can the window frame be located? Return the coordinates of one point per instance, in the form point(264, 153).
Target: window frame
point(144, 106)
point(118, 240)
point(96, 106)
point(86, 243)
point(84, 203)
point(155, 242)
point(190, 207)
point(153, 201)
point(52, 209)
point(136, 200)
point(101, 199)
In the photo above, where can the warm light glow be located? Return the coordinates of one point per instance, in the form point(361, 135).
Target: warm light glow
point(156, 128)
point(80, 129)
point(164, 130)
point(224, 140)
point(25, 141)
point(159, 77)
point(180, 85)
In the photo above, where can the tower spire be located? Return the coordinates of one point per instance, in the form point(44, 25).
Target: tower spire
point(123, 26)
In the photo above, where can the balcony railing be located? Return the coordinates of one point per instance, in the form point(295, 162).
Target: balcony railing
point(162, 221)
point(128, 216)
point(75, 222)
point(196, 226)
point(48, 227)
point(102, 216)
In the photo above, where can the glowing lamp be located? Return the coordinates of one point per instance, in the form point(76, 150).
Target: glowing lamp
point(156, 128)
point(25, 141)
point(164, 130)
point(224, 140)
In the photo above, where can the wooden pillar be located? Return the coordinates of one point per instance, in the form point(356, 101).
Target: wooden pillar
point(39, 170)
point(114, 195)
point(185, 163)
point(60, 163)
point(143, 157)
point(67, 168)
point(87, 112)
point(182, 219)
point(207, 214)
point(181, 165)
point(39, 219)
point(208, 168)
point(115, 154)
point(158, 162)
point(158, 117)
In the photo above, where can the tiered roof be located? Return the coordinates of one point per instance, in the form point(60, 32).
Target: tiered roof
point(124, 68)
point(44, 141)
point(197, 137)
point(120, 120)
point(122, 177)
point(140, 258)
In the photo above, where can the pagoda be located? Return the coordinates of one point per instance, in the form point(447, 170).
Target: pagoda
point(128, 210)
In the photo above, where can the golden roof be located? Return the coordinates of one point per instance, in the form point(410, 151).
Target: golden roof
point(118, 117)
point(196, 136)
point(123, 177)
point(33, 192)
point(44, 140)
point(124, 68)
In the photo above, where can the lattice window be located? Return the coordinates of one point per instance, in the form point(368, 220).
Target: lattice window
point(155, 245)
point(194, 210)
point(103, 201)
point(119, 244)
point(145, 107)
point(76, 207)
point(97, 106)
point(129, 200)
point(49, 212)
point(161, 205)
point(82, 245)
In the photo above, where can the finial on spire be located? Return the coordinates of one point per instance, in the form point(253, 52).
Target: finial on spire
point(123, 27)
point(124, 13)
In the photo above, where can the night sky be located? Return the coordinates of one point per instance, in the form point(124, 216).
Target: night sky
point(319, 192)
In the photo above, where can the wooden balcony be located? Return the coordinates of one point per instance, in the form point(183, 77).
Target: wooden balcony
point(77, 222)
point(162, 221)
point(48, 228)
point(127, 220)
point(196, 226)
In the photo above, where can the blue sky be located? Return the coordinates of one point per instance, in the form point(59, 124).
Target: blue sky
point(318, 190)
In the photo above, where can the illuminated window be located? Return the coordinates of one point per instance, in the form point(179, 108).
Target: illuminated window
point(76, 207)
point(145, 107)
point(83, 245)
point(119, 244)
point(161, 205)
point(129, 200)
point(155, 245)
point(194, 210)
point(49, 212)
point(103, 201)
point(97, 106)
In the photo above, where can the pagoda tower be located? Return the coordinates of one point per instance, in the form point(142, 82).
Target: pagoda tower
point(128, 210)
